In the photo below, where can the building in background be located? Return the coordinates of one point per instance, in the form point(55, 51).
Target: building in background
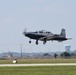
point(67, 48)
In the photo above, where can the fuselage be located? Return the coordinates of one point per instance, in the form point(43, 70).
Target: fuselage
point(40, 36)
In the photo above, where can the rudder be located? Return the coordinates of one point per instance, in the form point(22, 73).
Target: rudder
point(63, 33)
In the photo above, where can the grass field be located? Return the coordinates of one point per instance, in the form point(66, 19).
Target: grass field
point(48, 70)
point(29, 61)
point(42, 70)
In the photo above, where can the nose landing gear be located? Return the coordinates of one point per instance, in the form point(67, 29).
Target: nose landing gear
point(30, 41)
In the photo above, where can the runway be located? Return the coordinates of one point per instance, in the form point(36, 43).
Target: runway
point(47, 64)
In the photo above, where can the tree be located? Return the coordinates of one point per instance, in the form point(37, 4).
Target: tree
point(46, 54)
point(55, 55)
point(65, 54)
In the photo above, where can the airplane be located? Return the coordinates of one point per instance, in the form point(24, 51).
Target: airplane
point(46, 36)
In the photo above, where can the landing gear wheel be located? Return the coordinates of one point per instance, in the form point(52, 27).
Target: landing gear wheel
point(36, 42)
point(44, 43)
point(30, 41)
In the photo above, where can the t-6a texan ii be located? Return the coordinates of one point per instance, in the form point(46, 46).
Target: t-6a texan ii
point(46, 36)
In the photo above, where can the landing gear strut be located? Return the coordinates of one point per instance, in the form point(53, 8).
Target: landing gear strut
point(44, 42)
point(36, 42)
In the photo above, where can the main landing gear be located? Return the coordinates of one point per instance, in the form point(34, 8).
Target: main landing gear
point(36, 42)
point(44, 42)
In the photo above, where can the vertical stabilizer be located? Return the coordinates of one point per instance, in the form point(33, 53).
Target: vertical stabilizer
point(63, 33)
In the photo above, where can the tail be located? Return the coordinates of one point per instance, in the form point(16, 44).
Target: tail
point(63, 33)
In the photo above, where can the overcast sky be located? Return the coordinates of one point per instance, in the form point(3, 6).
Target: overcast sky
point(49, 15)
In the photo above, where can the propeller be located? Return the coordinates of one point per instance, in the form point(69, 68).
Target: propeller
point(25, 31)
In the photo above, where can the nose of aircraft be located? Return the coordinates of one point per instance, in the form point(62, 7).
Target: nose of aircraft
point(26, 33)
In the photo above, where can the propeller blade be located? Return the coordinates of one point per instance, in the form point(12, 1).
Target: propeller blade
point(25, 31)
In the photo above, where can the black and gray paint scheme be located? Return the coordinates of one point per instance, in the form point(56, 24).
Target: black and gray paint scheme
point(46, 36)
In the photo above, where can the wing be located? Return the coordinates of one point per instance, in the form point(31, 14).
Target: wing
point(47, 38)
